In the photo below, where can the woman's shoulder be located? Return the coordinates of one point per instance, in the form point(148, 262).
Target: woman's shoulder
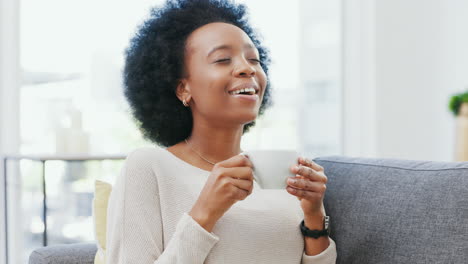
point(146, 155)
point(141, 165)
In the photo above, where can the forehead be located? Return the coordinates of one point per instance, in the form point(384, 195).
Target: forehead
point(206, 37)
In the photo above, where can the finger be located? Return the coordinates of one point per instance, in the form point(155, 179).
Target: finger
point(309, 173)
point(307, 185)
point(308, 195)
point(244, 173)
point(241, 194)
point(240, 160)
point(307, 162)
point(245, 185)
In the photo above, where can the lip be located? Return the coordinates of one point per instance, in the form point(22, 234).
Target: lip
point(246, 85)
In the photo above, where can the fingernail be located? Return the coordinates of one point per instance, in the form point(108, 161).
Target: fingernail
point(291, 181)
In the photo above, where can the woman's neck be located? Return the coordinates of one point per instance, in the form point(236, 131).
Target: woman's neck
point(217, 145)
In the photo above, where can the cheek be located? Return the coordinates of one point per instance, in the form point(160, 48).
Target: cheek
point(207, 80)
point(262, 80)
point(214, 84)
point(210, 90)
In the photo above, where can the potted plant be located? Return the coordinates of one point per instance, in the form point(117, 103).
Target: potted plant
point(456, 102)
point(458, 105)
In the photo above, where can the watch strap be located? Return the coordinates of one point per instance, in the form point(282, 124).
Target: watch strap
point(316, 233)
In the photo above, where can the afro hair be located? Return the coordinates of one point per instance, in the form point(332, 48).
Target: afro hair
point(155, 62)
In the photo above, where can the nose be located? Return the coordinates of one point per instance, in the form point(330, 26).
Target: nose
point(244, 69)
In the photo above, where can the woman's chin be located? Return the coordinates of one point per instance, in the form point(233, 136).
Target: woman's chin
point(241, 117)
point(248, 118)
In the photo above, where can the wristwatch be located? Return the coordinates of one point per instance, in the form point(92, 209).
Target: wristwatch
point(317, 233)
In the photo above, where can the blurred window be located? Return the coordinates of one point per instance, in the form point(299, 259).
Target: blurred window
point(72, 59)
point(72, 56)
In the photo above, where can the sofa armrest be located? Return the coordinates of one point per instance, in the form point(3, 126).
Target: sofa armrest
point(82, 253)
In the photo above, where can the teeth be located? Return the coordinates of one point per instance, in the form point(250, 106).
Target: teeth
point(251, 91)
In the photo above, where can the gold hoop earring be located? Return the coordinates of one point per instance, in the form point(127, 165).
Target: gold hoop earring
point(185, 103)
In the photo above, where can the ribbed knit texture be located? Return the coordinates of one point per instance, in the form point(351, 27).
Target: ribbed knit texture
point(147, 219)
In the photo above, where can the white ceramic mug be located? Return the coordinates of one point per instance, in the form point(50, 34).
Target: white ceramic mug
point(271, 167)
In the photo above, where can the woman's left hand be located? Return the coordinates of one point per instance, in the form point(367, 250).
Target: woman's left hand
point(308, 186)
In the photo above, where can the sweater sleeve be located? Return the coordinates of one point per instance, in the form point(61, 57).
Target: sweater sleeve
point(135, 223)
point(328, 256)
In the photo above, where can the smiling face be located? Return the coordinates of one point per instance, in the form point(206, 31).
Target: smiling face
point(220, 59)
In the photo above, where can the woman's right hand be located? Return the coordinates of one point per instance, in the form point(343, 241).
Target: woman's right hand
point(230, 181)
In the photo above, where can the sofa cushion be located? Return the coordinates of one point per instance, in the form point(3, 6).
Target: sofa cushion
point(397, 211)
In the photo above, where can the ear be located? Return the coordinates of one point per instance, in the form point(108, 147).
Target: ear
point(183, 90)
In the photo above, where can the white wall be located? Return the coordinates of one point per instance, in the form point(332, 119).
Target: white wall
point(418, 58)
point(359, 91)
point(9, 76)
point(9, 86)
point(417, 62)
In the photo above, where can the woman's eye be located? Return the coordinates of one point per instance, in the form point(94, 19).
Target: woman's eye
point(256, 60)
point(224, 60)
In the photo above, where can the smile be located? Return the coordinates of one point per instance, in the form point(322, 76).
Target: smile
point(248, 97)
point(246, 91)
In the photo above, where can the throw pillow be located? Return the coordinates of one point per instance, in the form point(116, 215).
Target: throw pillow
point(101, 198)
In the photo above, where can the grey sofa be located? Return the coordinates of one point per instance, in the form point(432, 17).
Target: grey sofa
point(382, 211)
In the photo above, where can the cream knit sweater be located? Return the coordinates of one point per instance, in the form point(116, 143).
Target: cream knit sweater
point(147, 219)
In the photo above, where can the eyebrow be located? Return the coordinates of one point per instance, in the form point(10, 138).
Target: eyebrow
point(246, 46)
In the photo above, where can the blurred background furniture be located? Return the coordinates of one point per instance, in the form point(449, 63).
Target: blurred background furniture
point(52, 207)
point(382, 211)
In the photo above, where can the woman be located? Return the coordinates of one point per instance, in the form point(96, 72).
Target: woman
point(196, 201)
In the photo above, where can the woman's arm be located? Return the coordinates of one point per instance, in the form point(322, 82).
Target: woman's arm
point(320, 250)
point(314, 246)
point(135, 223)
point(309, 187)
point(328, 256)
